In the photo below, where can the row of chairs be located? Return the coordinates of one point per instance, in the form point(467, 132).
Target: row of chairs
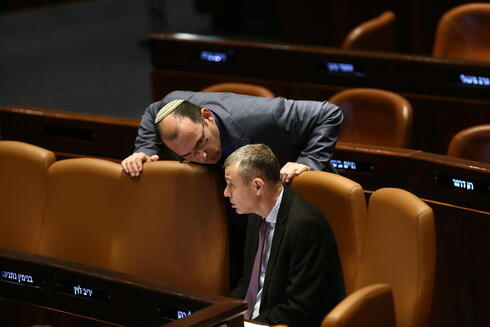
point(462, 32)
point(382, 118)
point(164, 226)
point(170, 220)
point(387, 249)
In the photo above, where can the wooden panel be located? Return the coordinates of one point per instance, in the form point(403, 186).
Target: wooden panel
point(442, 103)
point(70, 134)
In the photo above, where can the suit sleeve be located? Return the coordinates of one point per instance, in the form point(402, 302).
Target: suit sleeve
point(148, 140)
point(314, 128)
point(314, 271)
point(318, 147)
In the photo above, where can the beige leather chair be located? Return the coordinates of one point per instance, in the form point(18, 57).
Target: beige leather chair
point(173, 227)
point(399, 250)
point(472, 143)
point(24, 168)
point(370, 306)
point(378, 34)
point(463, 32)
point(375, 117)
point(342, 202)
point(80, 211)
point(240, 88)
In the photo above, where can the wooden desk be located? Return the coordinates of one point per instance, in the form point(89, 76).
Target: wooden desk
point(447, 95)
point(70, 134)
point(103, 296)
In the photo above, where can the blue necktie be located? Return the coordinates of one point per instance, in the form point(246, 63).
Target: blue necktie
point(253, 286)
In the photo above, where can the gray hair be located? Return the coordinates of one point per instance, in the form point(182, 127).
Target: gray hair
point(255, 160)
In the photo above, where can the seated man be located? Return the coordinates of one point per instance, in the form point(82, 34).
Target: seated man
point(208, 126)
point(292, 272)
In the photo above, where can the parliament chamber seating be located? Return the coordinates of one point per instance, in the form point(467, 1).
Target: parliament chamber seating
point(173, 227)
point(343, 203)
point(472, 143)
point(240, 88)
point(169, 225)
point(377, 34)
point(80, 212)
point(462, 32)
point(23, 189)
point(374, 116)
point(399, 250)
point(439, 89)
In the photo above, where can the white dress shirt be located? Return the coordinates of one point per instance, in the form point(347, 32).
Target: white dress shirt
point(271, 219)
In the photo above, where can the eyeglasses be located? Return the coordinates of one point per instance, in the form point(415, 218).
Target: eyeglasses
point(197, 148)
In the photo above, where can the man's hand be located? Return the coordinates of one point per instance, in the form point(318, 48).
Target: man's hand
point(292, 169)
point(133, 165)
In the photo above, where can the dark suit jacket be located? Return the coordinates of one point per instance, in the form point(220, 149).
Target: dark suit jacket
point(297, 131)
point(304, 278)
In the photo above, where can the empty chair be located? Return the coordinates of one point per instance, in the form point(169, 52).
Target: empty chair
point(377, 34)
point(375, 117)
point(371, 306)
point(399, 250)
point(173, 227)
point(80, 211)
point(463, 32)
point(342, 202)
point(471, 143)
point(23, 188)
point(240, 88)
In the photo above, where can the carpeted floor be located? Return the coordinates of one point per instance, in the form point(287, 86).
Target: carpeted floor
point(87, 56)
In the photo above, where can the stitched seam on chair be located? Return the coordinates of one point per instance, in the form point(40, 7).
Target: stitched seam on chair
point(417, 311)
point(359, 251)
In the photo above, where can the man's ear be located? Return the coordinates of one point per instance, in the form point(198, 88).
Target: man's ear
point(206, 114)
point(258, 184)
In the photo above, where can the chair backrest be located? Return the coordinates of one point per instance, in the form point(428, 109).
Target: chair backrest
point(400, 250)
point(375, 117)
point(370, 306)
point(471, 143)
point(80, 211)
point(377, 34)
point(240, 88)
point(342, 202)
point(23, 188)
point(463, 32)
point(173, 227)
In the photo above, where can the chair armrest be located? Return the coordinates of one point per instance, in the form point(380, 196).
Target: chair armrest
point(369, 306)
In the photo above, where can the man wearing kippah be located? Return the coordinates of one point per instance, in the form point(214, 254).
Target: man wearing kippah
point(205, 127)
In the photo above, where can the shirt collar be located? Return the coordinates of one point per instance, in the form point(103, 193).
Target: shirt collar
point(272, 216)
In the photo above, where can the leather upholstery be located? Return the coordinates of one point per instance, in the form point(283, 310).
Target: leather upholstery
point(342, 202)
point(378, 34)
point(23, 183)
point(173, 227)
point(80, 211)
point(400, 250)
point(472, 143)
point(370, 306)
point(375, 117)
point(463, 32)
point(240, 88)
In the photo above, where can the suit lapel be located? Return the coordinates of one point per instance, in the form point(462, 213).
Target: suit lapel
point(281, 223)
